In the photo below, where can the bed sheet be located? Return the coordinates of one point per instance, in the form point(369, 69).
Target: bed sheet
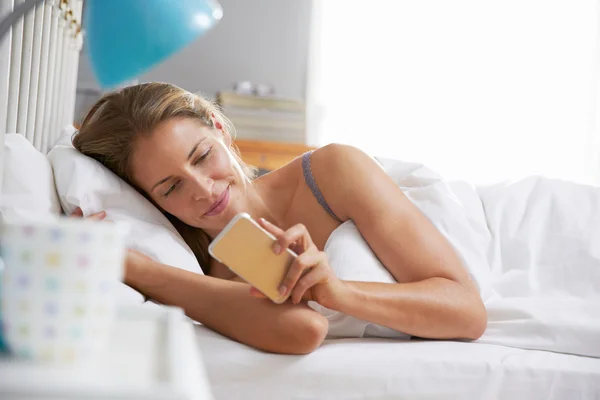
point(374, 368)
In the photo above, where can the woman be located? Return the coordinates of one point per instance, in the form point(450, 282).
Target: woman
point(176, 149)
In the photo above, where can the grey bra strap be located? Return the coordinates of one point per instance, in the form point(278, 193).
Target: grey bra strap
point(312, 184)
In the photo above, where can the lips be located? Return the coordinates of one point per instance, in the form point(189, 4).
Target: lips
point(219, 205)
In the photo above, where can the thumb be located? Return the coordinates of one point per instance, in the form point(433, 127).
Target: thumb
point(254, 292)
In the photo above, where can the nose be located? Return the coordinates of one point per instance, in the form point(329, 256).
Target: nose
point(202, 187)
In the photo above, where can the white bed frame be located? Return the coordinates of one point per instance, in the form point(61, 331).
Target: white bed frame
point(39, 61)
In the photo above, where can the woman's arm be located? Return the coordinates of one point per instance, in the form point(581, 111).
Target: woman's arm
point(228, 308)
point(435, 297)
point(436, 308)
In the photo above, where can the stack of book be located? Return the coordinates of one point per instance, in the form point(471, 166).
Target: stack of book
point(264, 118)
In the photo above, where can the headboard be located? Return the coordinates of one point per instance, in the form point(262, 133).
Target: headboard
point(38, 70)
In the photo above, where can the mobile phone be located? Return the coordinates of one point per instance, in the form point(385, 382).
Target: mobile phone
point(247, 250)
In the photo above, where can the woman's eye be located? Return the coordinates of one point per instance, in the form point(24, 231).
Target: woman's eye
point(203, 156)
point(172, 188)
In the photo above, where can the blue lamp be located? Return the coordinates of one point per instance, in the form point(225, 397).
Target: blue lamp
point(127, 37)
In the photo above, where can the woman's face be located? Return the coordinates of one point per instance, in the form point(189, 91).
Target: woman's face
point(188, 170)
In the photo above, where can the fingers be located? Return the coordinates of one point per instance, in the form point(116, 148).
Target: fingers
point(269, 227)
point(297, 238)
point(299, 266)
point(314, 276)
point(78, 213)
point(98, 216)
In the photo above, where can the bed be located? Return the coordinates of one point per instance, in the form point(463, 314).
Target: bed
point(39, 63)
point(396, 369)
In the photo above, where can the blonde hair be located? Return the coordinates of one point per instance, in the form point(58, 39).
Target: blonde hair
point(110, 128)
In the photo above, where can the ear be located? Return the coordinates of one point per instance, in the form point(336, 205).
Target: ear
point(219, 126)
point(216, 123)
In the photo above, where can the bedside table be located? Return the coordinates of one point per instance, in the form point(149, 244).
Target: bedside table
point(152, 354)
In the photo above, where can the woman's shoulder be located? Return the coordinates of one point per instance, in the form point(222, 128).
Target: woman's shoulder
point(337, 160)
point(332, 161)
point(342, 173)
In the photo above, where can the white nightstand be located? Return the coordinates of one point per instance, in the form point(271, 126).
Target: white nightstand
point(152, 355)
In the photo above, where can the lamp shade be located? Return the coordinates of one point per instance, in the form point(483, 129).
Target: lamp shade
point(125, 38)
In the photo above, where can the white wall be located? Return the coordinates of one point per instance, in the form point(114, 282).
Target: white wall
point(477, 90)
point(263, 41)
point(257, 40)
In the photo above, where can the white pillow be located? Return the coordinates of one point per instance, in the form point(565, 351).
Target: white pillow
point(83, 182)
point(28, 191)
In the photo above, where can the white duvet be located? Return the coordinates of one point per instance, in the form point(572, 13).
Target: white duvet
point(532, 246)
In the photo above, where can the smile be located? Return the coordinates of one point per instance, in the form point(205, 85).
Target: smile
point(219, 205)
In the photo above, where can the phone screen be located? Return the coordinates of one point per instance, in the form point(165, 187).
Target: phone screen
point(247, 249)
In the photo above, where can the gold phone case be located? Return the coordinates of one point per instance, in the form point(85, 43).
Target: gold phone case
point(247, 250)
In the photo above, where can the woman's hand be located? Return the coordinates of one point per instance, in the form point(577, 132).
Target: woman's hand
point(134, 260)
point(310, 277)
point(78, 213)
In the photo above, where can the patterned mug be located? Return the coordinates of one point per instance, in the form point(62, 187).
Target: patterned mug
point(57, 287)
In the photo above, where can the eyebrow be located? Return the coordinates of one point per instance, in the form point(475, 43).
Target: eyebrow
point(190, 155)
point(161, 182)
point(194, 150)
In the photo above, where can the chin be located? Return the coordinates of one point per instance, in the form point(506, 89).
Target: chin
point(228, 215)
